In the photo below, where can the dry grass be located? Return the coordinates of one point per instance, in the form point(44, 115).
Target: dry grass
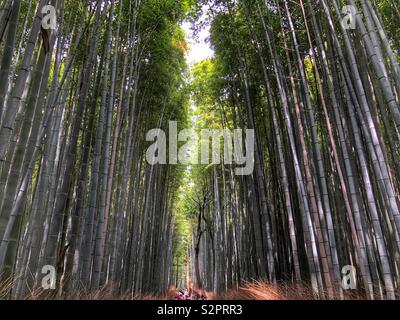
point(283, 291)
point(265, 291)
point(249, 291)
point(103, 294)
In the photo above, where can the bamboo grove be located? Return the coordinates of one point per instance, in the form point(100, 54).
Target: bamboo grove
point(323, 100)
point(76, 192)
point(77, 101)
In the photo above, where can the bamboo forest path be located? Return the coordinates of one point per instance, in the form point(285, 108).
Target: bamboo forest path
point(245, 148)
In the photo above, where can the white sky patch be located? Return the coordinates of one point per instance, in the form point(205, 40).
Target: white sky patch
point(199, 47)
